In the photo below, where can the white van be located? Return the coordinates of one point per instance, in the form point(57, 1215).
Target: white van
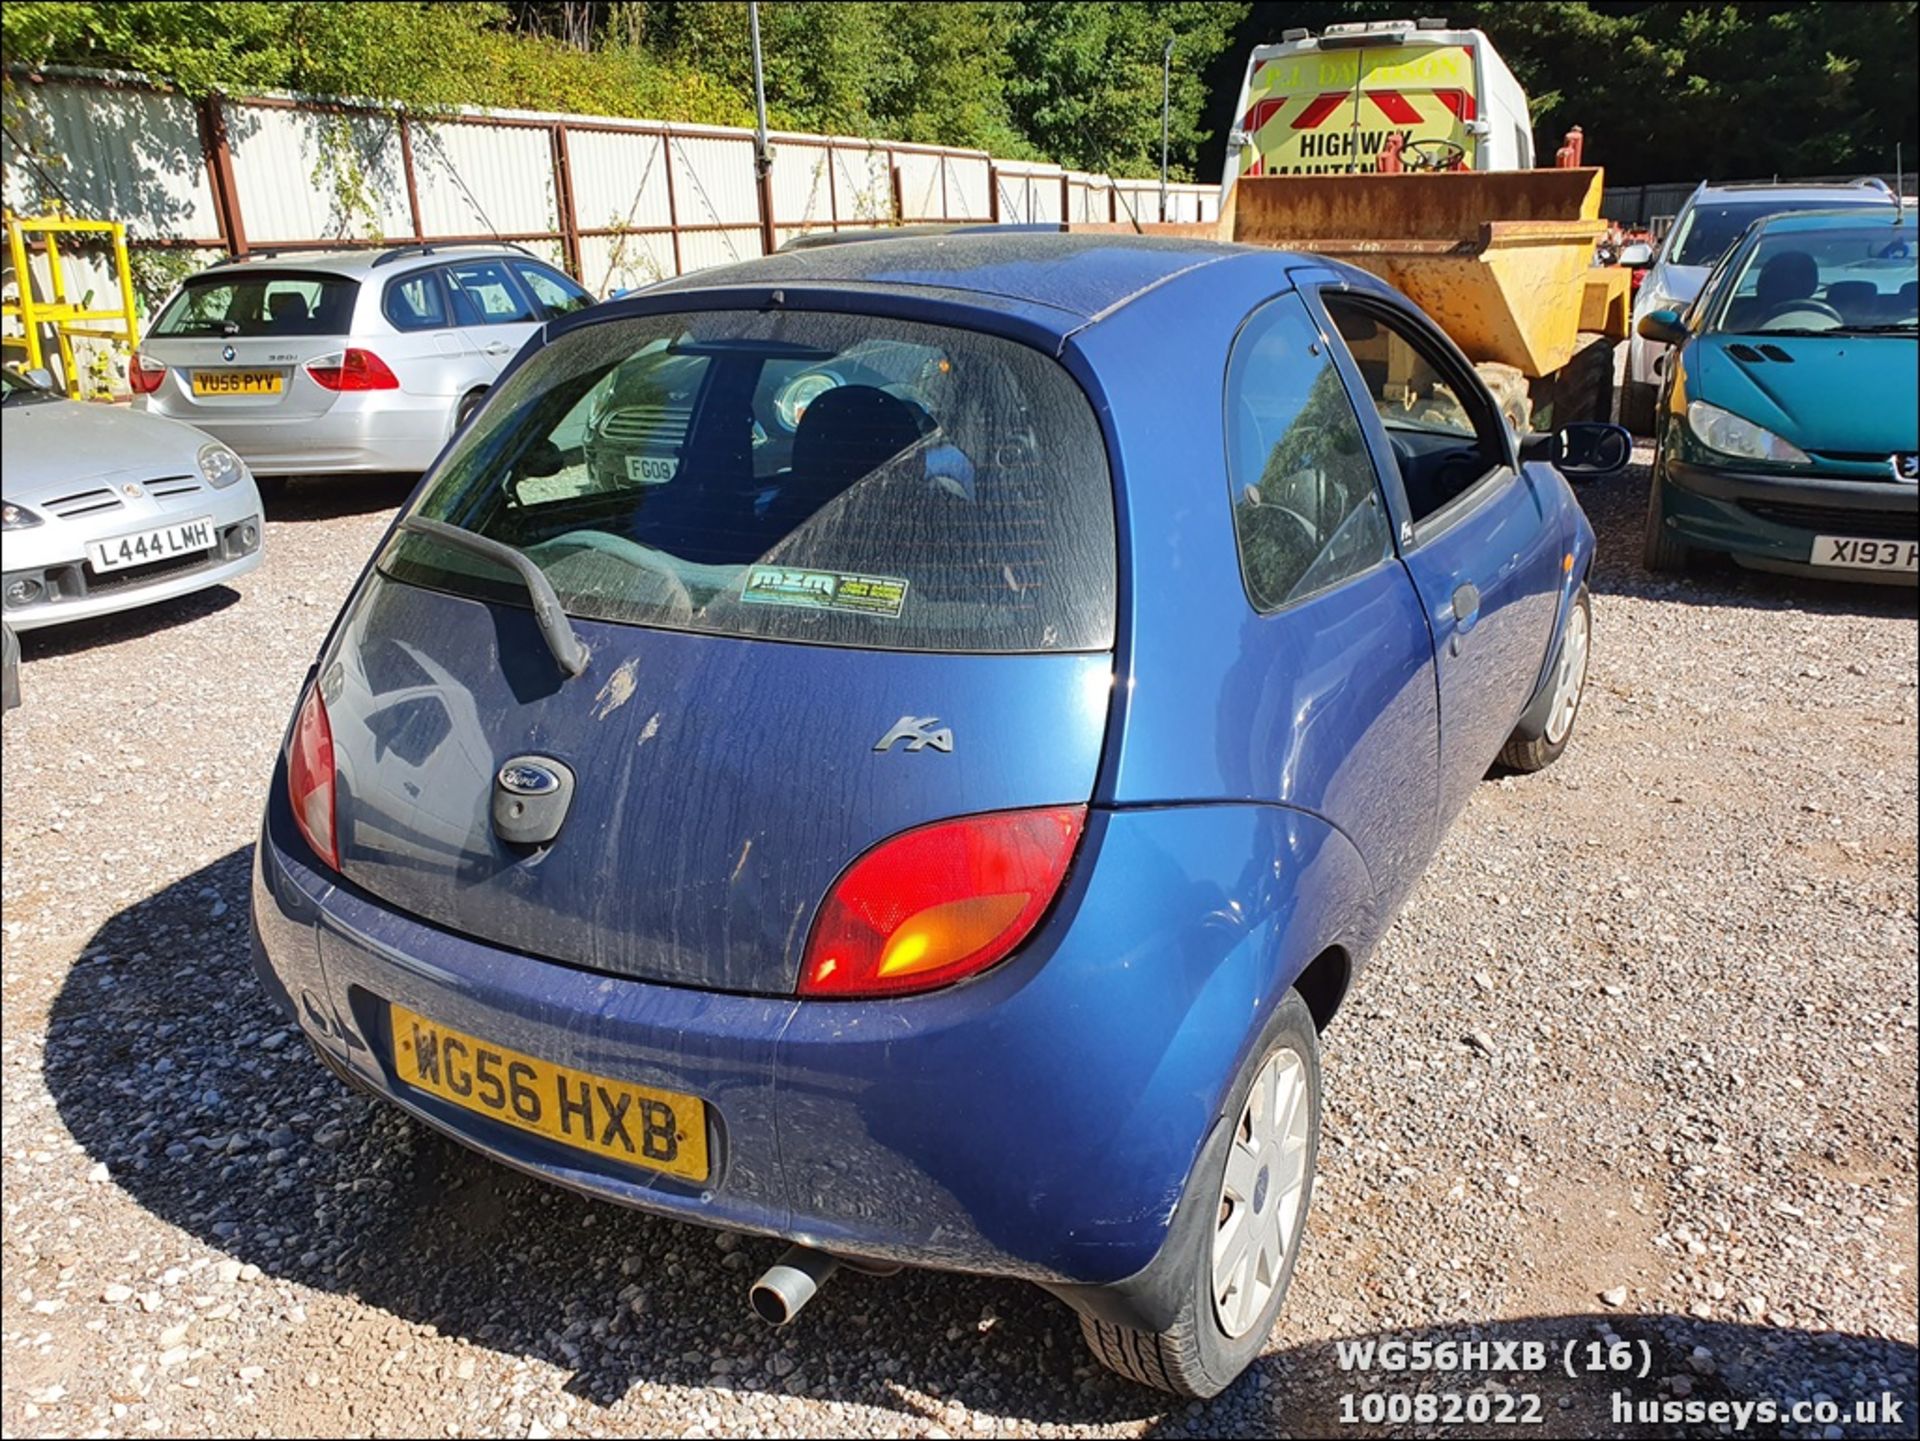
point(1327, 104)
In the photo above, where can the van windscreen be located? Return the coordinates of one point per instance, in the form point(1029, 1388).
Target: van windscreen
point(805, 476)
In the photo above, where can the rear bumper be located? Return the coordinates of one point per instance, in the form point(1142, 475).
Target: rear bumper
point(1040, 1122)
point(372, 432)
point(1770, 522)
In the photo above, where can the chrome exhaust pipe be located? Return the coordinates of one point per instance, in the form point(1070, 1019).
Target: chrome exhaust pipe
point(789, 1283)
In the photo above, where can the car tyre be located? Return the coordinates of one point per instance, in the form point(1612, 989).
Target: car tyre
point(469, 403)
point(1270, 1157)
point(1534, 752)
point(1636, 406)
point(1663, 553)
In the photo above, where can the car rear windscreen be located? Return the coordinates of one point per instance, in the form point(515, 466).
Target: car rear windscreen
point(806, 476)
point(1708, 230)
point(260, 302)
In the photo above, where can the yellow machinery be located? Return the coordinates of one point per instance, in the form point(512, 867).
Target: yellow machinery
point(1501, 260)
point(67, 318)
point(1509, 290)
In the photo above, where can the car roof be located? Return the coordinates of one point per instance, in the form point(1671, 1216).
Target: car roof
point(1085, 275)
point(1840, 192)
point(360, 263)
point(1889, 215)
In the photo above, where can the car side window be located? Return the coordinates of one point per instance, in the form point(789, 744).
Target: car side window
point(1447, 436)
point(415, 302)
point(556, 294)
point(485, 293)
point(1307, 511)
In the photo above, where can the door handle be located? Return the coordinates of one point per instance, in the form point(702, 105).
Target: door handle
point(496, 347)
point(1466, 611)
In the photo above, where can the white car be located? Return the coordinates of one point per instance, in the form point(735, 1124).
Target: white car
point(1705, 229)
point(344, 362)
point(106, 509)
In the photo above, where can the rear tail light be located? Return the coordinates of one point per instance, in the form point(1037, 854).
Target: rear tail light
point(931, 906)
point(144, 374)
point(352, 369)
point(310, 777)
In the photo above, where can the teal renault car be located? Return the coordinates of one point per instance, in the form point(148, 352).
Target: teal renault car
point(1789, 423)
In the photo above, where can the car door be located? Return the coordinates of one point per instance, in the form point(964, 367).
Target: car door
point(1334, 693)
point(426, 351)
point(1482, 544)
point(492, 307)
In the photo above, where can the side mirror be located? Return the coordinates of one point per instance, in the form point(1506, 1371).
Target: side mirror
point(541, 460)
point(39, 376)
point(1664, 326)
point(1638, 255)
point(1585, 450)
point(537, 462)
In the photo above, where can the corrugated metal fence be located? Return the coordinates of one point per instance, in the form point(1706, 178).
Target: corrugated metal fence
point(617, 202)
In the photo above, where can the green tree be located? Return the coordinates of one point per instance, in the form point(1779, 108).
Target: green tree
point(1085, 81)
point(947, 83)
point(819, 60)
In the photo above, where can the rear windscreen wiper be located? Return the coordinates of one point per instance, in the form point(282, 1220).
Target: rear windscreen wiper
point(568, 651)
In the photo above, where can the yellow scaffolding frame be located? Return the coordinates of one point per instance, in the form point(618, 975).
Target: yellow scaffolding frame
point(67, 319)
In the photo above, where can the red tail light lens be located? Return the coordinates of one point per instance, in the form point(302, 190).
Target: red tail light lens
point(934, 905)
point(144, 374)
point(352, 369)
point(310, 777)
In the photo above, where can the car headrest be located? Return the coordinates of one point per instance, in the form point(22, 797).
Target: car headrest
point(1789, 275)
point(1852, 294)
point(848, 432)
point(287, 305)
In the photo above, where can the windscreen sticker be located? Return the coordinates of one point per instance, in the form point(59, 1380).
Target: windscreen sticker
point(881, 595)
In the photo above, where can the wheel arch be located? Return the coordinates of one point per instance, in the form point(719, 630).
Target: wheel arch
point(1323, 984)
point(1305, 932)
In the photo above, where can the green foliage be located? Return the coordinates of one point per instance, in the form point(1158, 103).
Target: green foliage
point(1085, 85)
point(1663, 90)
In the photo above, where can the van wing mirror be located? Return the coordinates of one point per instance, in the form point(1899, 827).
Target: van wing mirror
point(1638, 255)
point(1584, 450)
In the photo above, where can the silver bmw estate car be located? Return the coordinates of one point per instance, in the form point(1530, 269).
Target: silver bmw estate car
point(106, 510)
point(329, 362)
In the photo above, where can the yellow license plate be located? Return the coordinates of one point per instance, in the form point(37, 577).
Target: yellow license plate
point(237, 382)
point(661, 1130)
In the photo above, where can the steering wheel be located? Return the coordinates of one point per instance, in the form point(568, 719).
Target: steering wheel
point(1303, 529)
point(1792, 315)
point(1432, 154)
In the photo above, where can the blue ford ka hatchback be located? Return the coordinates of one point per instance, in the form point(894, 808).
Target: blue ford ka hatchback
point(903, 746)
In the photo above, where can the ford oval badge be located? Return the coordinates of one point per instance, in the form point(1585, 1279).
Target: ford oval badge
point(528, 778)
point(531, 795)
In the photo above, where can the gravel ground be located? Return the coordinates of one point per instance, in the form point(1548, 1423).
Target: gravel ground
point(1637, 1061)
